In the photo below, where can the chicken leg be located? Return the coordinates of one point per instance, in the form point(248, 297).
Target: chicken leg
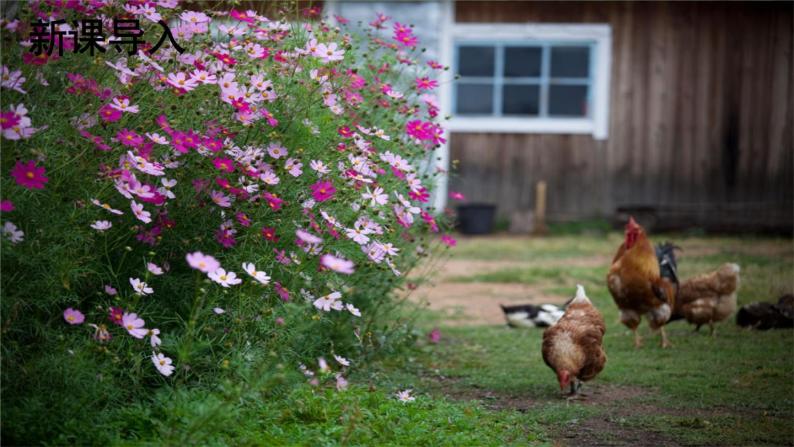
point(637, 338)
point(665, 342)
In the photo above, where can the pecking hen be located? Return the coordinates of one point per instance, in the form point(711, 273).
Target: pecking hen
point(572, 347)
point(637, 285)
point(709, 298)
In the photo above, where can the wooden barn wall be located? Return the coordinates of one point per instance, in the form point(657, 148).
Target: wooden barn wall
point(701, 111)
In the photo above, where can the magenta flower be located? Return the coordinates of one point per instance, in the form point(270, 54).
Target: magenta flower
point(456, 195)
point(73, 316)
point(134, 325)
point(323, 190)
point(425, 83)
point(116, 315)
point(282, 292)
point(269, 233)
point(434, 336)
point(129, 138)
point(29, 175)
point(8, 120)
point(6, 206)
point(223, 164)
point(202, 262)
point(449, 240)
point(109, 114)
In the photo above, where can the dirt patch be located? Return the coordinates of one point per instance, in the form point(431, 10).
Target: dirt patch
point(609, 430)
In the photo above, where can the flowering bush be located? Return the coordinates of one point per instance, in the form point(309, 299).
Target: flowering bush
point(247, 204)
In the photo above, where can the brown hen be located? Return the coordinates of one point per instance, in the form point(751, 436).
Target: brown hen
point(572, 347)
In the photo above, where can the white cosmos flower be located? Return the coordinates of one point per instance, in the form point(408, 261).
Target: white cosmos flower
point(405, 396)
point(101, 225)
point(225, 279)
point(154, 268)
point(341, 360)
point(163, 364)
point(353, 310)
point(328, 302)
point(141, 288)
point(262, 277)
point(106, 206)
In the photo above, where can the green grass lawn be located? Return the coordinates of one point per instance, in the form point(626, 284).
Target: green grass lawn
point(736, 388)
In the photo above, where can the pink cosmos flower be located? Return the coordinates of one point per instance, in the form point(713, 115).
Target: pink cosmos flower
point(307, 237)
point(218, 310)
point(182, 81)
point(6, 206)
point(341, 382)
point(163, 364)
point(142, 215)
point(338, 265)
point(341, 360)
point(29, 175)
point(221, 199)
point(122, 104)
point(202, 262)
point(134, 325)
point(110, 290)
point(323, 190)
point(329, 53)
point(73, 316)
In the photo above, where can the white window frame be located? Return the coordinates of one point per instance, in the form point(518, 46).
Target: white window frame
point(597, 124)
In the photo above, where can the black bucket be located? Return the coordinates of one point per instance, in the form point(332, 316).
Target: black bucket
point(476, 218)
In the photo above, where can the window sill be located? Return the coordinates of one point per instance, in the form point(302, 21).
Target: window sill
point(523, 125)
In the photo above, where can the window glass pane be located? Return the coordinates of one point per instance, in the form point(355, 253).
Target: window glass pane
point(522, 62)
point(520, 99)
point(476, 61)
point(568, 100)
point(570, 62)
point(474, 99)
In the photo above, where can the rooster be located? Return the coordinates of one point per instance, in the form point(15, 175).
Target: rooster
point(637, 285)
point(710, 297)
point(572, 347)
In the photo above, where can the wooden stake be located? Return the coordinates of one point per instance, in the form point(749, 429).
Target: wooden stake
point(540, 208)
